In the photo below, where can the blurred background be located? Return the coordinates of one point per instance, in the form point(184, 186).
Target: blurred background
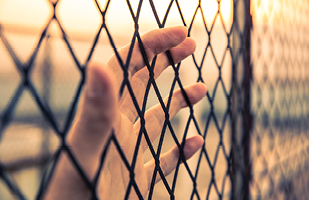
point(45, 44)
point(279, 138)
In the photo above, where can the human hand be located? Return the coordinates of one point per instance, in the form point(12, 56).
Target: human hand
point(101, 111)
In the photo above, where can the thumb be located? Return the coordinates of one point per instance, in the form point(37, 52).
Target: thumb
point(95, 117)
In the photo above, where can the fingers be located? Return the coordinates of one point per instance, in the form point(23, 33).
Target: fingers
point(140, 79)
point(155, 116)
point(96, 117)
point(154, 43)
point(169, 160)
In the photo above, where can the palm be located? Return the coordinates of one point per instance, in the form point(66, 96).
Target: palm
point(115, 173)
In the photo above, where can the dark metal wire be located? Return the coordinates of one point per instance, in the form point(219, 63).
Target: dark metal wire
point(237, 115)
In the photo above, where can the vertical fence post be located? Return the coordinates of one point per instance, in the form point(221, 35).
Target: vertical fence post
point(241, 100)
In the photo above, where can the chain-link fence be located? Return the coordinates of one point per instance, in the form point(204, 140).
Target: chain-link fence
point(41, 94)
point(279, 140)
point(257, 92)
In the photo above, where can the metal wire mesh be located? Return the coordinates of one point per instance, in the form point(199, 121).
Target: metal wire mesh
point(280, 100)
point(253, 120)
point(36, 95)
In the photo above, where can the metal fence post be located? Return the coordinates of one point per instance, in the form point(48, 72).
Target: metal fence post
point(241, 99)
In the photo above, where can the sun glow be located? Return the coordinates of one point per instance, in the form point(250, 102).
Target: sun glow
point(81, 21)
point(82, 16)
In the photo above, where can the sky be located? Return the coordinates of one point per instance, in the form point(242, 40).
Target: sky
point(83, 15)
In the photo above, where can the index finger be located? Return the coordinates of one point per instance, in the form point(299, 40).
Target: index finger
point(154, 43)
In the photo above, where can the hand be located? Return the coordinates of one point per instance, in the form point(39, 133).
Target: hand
point(101, 111)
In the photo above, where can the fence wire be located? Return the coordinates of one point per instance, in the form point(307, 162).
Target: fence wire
point(253, 118)
point(34, 103)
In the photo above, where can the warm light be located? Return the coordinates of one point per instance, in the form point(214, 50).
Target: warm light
point(226, 8)
point(30, 13)
point(265, 11)
point(83, 16)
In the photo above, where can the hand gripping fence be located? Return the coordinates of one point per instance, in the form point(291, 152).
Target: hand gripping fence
point(262, 117)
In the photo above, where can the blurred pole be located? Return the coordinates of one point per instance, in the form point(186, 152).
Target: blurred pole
point(241, 101)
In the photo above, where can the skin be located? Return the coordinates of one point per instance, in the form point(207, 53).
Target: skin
point(101, 111)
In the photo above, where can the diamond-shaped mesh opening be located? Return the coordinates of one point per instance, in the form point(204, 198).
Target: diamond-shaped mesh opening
point(22, 137)
point(81, 31)
point(56, 85)
point(27, 143)
point(24, 32)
